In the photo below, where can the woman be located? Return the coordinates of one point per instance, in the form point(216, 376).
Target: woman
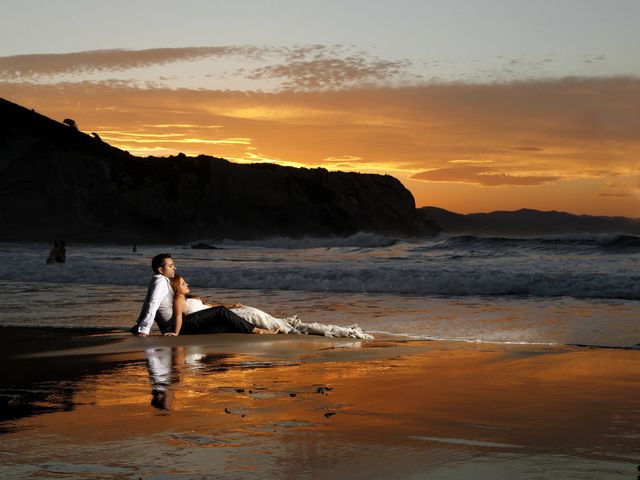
point(210, 319)
point(263, 322)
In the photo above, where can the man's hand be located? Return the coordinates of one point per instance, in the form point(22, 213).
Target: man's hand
point(170, 334)
point(140, 334)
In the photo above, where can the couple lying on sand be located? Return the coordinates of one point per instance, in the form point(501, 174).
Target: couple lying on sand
point(169, 304)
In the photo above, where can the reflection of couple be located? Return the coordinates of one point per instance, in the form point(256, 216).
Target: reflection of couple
point(160, 367)
point(165, 366)
point(167, 305)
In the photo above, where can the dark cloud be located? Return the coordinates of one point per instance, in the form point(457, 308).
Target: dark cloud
point(324, 67)
point(598, 59)
point(330, 72)
point(484, 176)
point(615, 195)
point(528, 149)
point(307, 66)
point(26, 66)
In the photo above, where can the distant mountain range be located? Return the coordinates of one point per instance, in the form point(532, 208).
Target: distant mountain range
point(527, 222)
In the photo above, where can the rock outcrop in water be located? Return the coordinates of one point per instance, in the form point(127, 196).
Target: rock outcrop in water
point(58, 182)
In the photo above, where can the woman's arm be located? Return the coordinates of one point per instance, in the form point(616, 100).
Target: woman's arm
point(228, 305)
point(208, 304)
point(179, 305)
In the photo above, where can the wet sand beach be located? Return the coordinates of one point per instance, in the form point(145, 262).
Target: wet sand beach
point(106, 405)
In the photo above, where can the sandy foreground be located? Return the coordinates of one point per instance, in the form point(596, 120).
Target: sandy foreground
point(95, 405)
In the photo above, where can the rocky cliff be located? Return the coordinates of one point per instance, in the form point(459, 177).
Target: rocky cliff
point(58, 182)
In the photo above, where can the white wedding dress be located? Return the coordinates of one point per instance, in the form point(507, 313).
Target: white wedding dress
point(286, 325)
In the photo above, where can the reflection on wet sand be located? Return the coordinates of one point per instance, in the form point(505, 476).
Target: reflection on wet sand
point(33, 386)
point(329, 409)
point(160, 365)
point(165, 367)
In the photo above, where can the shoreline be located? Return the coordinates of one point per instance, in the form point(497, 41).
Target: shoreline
point(116, 333)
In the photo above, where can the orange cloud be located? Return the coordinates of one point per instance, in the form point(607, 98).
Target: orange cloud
point(487, 177)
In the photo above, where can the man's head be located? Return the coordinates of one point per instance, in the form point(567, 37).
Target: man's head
point(163, 264)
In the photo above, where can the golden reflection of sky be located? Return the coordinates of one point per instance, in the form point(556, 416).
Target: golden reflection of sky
point(440, 395)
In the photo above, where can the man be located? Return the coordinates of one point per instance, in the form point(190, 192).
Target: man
point(158, 304)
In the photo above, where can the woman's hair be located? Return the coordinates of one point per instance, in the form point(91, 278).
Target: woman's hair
point(175, 283)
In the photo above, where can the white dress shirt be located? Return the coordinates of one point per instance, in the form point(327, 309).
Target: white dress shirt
point(158, 305)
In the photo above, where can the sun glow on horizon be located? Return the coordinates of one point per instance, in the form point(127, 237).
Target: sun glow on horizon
point(461, 147)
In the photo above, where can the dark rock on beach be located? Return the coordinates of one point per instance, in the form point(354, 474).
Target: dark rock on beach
point(59, 182)
point(323, 390)
point(204, 246)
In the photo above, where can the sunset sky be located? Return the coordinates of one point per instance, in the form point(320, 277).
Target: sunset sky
point(474, 105)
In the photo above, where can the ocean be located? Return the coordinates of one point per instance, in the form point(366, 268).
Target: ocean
point(559, 289)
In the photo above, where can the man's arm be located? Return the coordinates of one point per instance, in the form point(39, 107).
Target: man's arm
point(159, 290)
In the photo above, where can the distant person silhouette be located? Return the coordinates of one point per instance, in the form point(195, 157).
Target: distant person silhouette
point(54, 251)
point(135, 248)
point(61, 253)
